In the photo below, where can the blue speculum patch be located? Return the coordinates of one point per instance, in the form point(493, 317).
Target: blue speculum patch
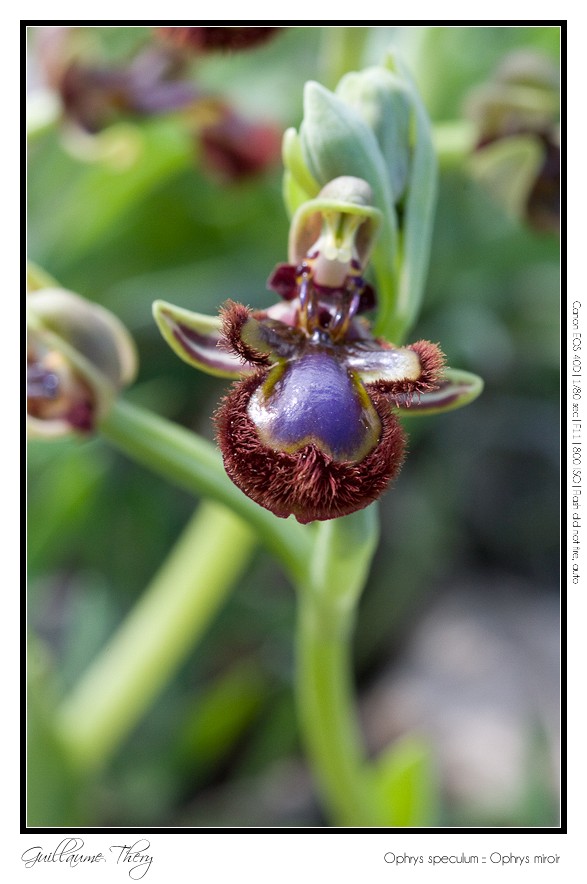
point(316, 399)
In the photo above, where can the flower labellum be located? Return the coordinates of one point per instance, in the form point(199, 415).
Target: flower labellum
point(312, 432)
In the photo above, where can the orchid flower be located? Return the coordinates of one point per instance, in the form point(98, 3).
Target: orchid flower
point(311, 427)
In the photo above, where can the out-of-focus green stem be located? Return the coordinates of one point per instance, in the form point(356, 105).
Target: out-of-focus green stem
point(157, 636)
point(195, 465)
point(327, 605)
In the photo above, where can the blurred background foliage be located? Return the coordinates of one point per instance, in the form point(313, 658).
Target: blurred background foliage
point(457, 639)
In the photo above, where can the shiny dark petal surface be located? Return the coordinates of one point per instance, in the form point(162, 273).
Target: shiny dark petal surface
point(315, 399)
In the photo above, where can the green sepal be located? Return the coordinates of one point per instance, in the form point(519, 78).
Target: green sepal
point(299, 184)
point(194, 337)
point(336, 141)
point(293, 195)
point(457, 389)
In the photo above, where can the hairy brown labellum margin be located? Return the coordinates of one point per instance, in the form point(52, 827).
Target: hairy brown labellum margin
point(308, 484)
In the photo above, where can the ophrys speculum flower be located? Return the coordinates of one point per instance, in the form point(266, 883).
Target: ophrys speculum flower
point(310, 430)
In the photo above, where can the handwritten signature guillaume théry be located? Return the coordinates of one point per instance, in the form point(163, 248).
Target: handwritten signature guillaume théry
point(69, 851)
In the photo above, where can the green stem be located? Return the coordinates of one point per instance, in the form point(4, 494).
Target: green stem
point(328, 600)
point(195, 465)
point(122, 682)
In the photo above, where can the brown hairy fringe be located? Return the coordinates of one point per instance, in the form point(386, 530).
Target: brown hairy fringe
point(308, 483)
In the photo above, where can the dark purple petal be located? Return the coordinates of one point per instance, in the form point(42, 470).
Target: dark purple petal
point(203, 350)
point(283, 280)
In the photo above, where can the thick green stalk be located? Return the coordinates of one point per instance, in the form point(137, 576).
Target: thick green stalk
point(327, 606)
point(195, 465)
point(156, 638)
